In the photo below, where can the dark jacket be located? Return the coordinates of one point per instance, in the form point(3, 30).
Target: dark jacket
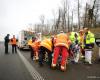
point(6, 40)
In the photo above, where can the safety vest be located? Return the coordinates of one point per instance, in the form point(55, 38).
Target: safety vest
point(72, 37)
point(47, 43)
point(62, 40)
point(35, 45)
point(90, 38)
point(13, 41)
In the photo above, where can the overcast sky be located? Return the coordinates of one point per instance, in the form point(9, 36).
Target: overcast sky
point(15, 15)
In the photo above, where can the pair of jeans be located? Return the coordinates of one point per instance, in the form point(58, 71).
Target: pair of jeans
point(14, 48)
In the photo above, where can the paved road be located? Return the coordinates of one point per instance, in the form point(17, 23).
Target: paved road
point(20, 67)
point(11, 66)
point(74, 71)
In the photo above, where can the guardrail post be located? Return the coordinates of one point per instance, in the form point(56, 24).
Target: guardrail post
point(99, 52)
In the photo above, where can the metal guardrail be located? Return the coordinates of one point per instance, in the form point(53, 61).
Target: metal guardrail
point(97, 39)
point(97, 35)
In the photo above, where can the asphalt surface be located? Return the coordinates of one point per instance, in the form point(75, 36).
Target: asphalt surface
point(79, 71)
point(13, 68)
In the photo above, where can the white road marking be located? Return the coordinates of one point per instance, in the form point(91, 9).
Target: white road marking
point(35, 75)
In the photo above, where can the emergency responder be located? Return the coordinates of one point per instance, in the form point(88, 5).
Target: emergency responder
point(81, 34)
point(35, 46)
point(71, 36)
point(76, 48)
point(30, 46)
point(46, 46)
point(89, 41)
point(60, 47)
point(14, 44)
point(6, 43)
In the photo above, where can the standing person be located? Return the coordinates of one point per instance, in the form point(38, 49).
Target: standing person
point(14, 44)
point(6, 43)
point(89, 41)
point(61, 47)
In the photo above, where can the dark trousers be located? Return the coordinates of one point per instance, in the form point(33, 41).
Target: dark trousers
point(14, 48)
point(6, 48)
point(42, 52)
point(31, 52)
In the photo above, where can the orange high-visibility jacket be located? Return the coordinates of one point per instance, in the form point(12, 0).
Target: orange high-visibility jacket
point(13, 41)
point(62, 40)
point(35, 45)
point(47, 43)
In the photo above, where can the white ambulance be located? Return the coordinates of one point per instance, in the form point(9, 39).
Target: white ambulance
point(23, 38)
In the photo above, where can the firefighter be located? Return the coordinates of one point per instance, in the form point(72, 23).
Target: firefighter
point(6, 43)
point(14, 44)
point(60, 47)
point(35, 46)
point(30, 46)
point(46, 46)
point(89, 41)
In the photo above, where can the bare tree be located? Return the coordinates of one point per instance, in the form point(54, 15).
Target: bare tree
point(64, 14)
point(91, 14)
point(72, 22)
point(68, 17)
point(85, 15)
point(78, 14)
point(58, 21)
point(54, 22)
point(96, 12)
point(42, 18)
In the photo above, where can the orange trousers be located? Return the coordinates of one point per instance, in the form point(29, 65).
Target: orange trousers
point(64, 53)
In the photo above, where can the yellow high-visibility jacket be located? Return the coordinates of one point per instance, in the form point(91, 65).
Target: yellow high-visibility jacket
point(47, 43)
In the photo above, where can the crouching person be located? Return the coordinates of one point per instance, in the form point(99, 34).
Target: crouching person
point(61, 47)
point(46, 46)
point(30, 43)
